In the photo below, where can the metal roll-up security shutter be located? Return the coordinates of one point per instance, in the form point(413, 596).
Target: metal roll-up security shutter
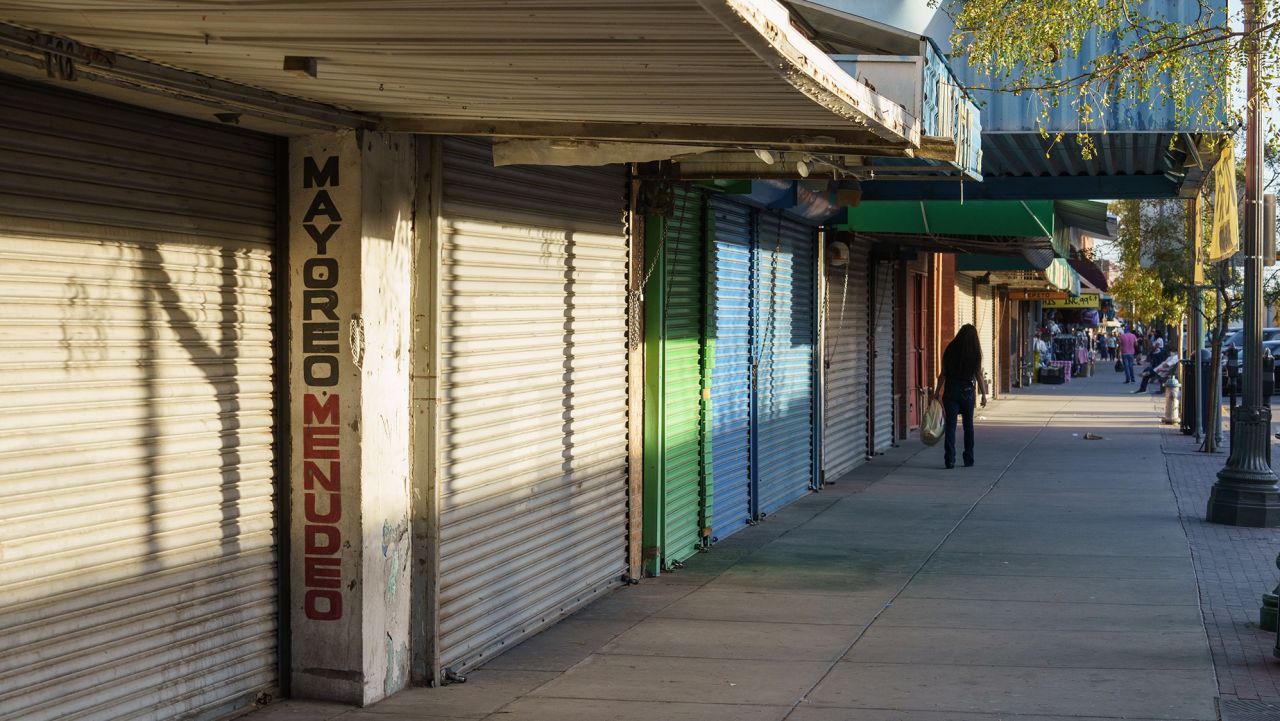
point(676, 455)
point(729, 340)
point(883, 311)
point(844, 420)
point(137, 491)
point(964, 301)
point(785, 330)
point(985, 322)
point(533, 397)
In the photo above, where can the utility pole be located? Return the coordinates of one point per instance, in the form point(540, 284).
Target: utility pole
point(1246, 493)
point(1195, 321)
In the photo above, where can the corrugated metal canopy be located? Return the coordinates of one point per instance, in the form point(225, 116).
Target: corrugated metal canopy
point(1024, 165)
point(534, 68)
point(1087, 216)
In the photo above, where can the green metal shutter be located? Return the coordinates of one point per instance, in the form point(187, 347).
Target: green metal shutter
point(677, 456)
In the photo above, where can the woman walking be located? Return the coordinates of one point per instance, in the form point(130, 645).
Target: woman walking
point(961, 369)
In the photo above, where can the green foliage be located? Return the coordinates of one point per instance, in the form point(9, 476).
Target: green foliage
point(1155, 260)
point(1138, 55)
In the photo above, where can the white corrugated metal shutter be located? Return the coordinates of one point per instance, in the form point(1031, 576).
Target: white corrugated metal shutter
point(883, 312)
point(964, 302)
point(533, 499)
point(845, 358)
point(138, 572)
point(987, 332)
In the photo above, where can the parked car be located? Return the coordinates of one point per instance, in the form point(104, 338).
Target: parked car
point(1270, 342)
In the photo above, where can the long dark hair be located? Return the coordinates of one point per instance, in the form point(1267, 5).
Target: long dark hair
point(963, 356)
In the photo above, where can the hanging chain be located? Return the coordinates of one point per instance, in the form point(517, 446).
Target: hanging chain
point(678, 221)
point(657, 199)
point(844, 295)
point(771, 319)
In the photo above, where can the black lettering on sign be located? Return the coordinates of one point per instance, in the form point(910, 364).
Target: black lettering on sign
point(320, 337)
point(320, 273)
point(322, 204)
point(324, 302)
point(321, 432)
point(316, 177)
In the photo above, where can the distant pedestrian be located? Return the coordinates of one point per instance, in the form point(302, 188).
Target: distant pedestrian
point(1112, 353)
point(961, 369)
point(1128, 345)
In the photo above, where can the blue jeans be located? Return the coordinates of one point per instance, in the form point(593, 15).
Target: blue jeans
point(958, 402)
point(1128, 368)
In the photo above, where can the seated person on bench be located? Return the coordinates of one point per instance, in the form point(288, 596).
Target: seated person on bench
point(1160, 372)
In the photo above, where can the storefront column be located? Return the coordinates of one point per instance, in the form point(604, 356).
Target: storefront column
point(350, 220)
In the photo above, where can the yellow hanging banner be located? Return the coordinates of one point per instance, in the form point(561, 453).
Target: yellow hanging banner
point(1224, 239)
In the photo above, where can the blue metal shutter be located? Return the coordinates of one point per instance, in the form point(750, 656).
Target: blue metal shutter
point(785, 330)
point(730, 341)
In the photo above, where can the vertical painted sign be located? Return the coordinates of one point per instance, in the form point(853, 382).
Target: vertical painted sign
point(324, 260)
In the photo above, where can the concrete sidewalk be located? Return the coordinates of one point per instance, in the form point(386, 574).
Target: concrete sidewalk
point(1051, 581)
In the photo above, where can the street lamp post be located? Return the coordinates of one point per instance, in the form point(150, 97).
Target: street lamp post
point(1246, 493)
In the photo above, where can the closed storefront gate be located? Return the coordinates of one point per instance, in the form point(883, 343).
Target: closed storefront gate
point(988, 334)
point(883, 311)
point(845, 359)
point(532, 458)
point(731, 404)
point(730, 424)
point(677, 346)
point(785, 342)
point(964, 303)
point(137, 484)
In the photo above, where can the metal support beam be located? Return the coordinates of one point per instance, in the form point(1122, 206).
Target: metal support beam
point(832, 141)
point(68, 60)
point(1085, 187)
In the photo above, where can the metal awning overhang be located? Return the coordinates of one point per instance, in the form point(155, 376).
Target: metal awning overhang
point(720, 73)
point(1091, 273)
point(1088, 216)
point(1019, 271)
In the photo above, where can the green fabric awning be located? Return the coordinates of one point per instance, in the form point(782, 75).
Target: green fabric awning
point(1031, 218)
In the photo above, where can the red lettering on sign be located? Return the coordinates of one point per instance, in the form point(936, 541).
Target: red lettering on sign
point(319, 539)
point(313, 475)
point(313, 514)
point(313, 411)
point(319, 441)
point(323, 605)
point(320, 572)
point(321, 425)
